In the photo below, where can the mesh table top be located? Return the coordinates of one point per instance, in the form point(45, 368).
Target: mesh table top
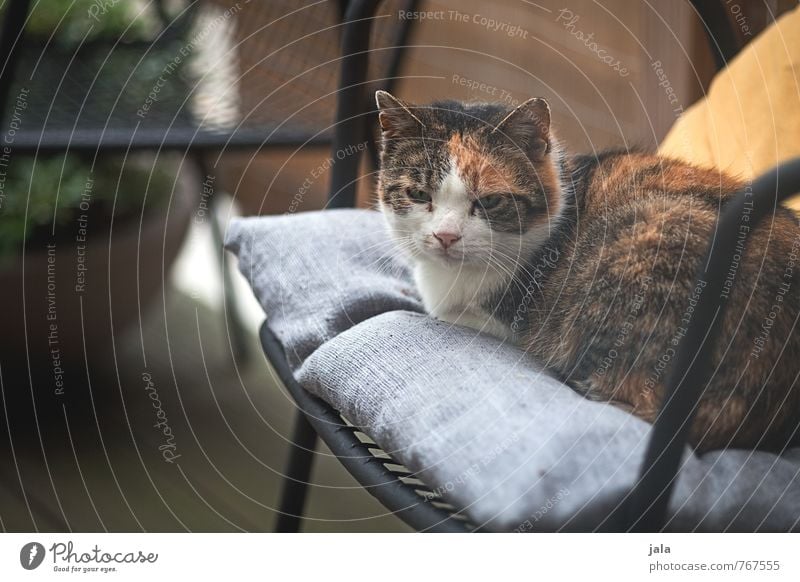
point(264, 74)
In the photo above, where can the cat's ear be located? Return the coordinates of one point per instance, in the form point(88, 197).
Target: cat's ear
point(396, 117)
point(528, 126)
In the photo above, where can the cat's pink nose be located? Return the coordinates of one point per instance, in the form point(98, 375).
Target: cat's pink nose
point(447, 238)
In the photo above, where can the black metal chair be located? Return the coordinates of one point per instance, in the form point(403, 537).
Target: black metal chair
point(645, 507)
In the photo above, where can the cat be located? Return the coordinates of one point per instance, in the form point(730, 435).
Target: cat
point(588, 262)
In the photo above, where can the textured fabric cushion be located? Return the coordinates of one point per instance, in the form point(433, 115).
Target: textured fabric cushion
point(476, 418)
point(296, 266)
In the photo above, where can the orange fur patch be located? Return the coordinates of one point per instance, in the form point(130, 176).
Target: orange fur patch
point(618, 181)
point(481, 173)
point(485, 174)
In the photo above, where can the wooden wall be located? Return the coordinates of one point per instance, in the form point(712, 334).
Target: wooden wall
point(616, 73)
point(604, 93)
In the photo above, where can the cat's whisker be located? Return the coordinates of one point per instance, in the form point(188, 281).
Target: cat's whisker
point(396, 253)
point(391, 245)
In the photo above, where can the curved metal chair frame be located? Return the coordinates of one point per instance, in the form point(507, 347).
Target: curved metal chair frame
point(645, 507)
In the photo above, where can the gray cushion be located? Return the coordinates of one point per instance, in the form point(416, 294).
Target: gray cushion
point(476, 418)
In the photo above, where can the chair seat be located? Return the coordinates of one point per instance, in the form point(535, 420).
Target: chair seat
point(478, 421)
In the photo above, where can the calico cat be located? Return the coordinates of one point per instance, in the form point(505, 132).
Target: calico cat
point(589, 261)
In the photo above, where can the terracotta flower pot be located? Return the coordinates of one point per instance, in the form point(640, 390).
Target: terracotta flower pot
point(93, 281)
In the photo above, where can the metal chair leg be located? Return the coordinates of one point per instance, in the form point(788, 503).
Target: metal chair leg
point(298, 473)
point(350, 102)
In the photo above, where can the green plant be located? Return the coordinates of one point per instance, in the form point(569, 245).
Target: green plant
point(70, 21)
point(45, 195)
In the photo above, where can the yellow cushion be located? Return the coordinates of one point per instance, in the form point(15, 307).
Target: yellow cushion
point(750, 119)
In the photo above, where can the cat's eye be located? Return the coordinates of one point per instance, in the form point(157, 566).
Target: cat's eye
point(489, 202)
point(419, 196)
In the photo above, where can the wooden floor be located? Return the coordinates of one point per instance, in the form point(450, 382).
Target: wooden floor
point(91, 461)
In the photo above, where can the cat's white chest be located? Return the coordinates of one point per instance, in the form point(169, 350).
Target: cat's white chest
point(457, 295)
